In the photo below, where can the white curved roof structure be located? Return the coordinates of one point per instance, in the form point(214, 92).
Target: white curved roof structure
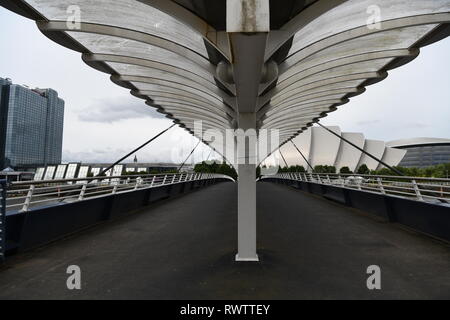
point(417, 142)
point(177, 55)
point(375, 148)
point(323, 148)
point(348, 156)
point(392, 156)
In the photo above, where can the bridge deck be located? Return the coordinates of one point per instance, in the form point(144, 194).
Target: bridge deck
point(184, 249)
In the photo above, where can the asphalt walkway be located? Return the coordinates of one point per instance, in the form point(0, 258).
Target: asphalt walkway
point(184, 248)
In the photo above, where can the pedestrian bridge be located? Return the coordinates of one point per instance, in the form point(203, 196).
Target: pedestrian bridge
point(255, 66)
point(184, 248)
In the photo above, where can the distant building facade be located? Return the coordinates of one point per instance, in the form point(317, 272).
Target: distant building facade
point(320, 147)
point(31, 126)
point(423, 152)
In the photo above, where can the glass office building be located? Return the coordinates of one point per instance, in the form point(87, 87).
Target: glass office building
point(423, 152)
point(31, 131)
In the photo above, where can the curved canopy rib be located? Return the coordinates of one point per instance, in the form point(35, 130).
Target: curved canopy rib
point(169, 55)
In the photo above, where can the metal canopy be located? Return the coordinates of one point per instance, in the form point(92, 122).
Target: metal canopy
point(320, 53)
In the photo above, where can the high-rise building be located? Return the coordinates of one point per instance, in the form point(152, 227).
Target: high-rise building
point(31, 126)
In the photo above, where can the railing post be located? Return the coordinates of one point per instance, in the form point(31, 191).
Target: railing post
point(380, 185)
point(318, 179)
point(417, 190)
point(82, 192)
point(27, 202)
point(114, 191)
point(153, 181)
point(342, 181)
point(2, 220)
point(138, 183)
point(328, 178)
point(173, 179)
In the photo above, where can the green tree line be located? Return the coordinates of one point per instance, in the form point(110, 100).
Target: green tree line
point(214, 167)
point(438, 171)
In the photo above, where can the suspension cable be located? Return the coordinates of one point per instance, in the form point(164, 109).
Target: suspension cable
point(304, 158)
point(182, 165)
point(362, 150)
point(134, 151)
point(287, 166)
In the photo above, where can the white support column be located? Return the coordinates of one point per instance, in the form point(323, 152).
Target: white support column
point(246, 155)
point(248, 25)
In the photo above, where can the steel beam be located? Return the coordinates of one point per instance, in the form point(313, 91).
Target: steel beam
point(246, 155)
point(248, 26)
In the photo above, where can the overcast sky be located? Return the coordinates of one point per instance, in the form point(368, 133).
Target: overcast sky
point(103, 121)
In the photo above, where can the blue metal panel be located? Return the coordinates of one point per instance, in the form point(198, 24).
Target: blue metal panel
point(2, 220)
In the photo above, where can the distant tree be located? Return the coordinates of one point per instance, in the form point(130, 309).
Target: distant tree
point(324, 169)
point(438, 171)
point(299, 169)
point(215, 167)
point(383, 172)
point(319, 169)
point(330, 169)
point(363, 169)
point(345, 170)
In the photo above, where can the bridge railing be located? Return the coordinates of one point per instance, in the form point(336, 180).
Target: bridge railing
point(21, 196)
point(2, 219)
point(418, 188)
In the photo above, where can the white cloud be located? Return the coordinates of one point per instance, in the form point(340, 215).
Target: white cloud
point(111, 110)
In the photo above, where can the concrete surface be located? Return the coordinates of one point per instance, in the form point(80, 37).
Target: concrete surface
point(184, 248)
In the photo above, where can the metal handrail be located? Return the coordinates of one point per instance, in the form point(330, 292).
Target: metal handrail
point(21, 196)
point(418, 188)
